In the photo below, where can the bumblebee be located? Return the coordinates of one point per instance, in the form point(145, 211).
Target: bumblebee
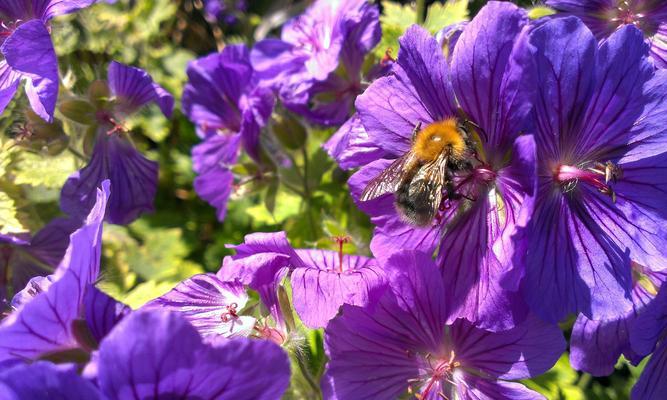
point(420, 179)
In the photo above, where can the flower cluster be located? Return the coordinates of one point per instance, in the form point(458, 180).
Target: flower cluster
point(511, 166)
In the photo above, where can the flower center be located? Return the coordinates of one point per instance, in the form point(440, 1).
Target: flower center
point(440, 370)
point(631, 12)
point(104, 117)
point(600, 175)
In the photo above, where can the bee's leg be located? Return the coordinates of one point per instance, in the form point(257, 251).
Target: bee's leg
point(416, 130)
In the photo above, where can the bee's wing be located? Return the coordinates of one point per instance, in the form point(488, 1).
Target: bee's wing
point(389, 180)
point(427, 185)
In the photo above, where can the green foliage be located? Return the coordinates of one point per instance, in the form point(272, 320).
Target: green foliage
point(396, 18)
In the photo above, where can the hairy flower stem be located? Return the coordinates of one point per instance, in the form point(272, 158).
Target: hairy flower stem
point(307, 194)
point(308, 376)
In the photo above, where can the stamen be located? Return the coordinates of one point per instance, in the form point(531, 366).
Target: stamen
point(569, 176)
point(230, 314)
point(387, 57)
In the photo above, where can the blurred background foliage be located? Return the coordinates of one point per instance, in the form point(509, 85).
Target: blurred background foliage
point(183, 237)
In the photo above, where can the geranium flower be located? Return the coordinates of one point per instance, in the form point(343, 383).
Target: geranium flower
point(410, 342)
point(603, 17)
point(27, 51)
point(43, 321)
point(600, 129)
point(133, 177)
point(321, 280)
point(478, 232)
point(222, 98)
point(159, 355)
point(316, 66)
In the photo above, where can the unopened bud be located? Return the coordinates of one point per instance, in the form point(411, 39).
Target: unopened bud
point(78, 111)
point(289, 131)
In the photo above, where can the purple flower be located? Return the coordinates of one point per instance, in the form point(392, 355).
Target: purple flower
point(321, 280)
point(479, 229)
point(133, 177)
point(156, 354)
point(222, 98)
point(647, 335)
point(603, 17)
point(595, 346)
point(210, 305)
point(316, 66)
point(411, 342)
point(27, 51)
point(600, 128)
point(224, 11)
point(42, 380)
point(43, 321)
point(22, 258)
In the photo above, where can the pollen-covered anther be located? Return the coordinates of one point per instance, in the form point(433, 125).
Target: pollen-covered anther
point(600, 175)
point(230, 313)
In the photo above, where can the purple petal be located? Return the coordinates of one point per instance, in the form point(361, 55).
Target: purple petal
point(367, 359)
point(320, 289)
point(389, 110)
point(562, 49)
point(133, 179)
point(9, 83)
point(363, 32)
point(216, 84)
point(275, 60)
point(485, 84)
point(102, 312)
point(351, 147)
point(427, 70)
point(205, 301)
point(258, 110)
point(212, 160)
point(619, 97)
point(134, 88)
point(35, 286)
point(595, 346)
point(159, 354)
point(47, 9)
point(29, 51)
point(42, 380)
point(480, 250)
point(326, 103)
point(652, 384)
point(472, 387)
point(572, 266)
point(529, 349)
point(650, 325)
point(44, 324)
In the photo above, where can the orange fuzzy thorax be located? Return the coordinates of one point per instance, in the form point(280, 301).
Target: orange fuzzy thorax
point(437, 137)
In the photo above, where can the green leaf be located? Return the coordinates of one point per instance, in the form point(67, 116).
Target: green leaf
point(560, 382)
point(39, 170)
point(146, 292)
point(9, 222)
point(286, 205)
point(441, 15)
